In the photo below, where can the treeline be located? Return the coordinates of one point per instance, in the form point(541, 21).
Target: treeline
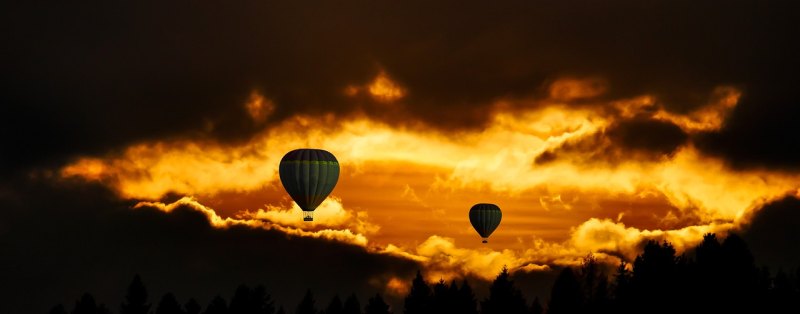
point(718, 276)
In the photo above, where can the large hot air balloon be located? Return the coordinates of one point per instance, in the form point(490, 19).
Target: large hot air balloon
point(485, 218)
point(309, 175)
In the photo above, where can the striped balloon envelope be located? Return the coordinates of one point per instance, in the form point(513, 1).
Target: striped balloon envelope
point(485, 218)
point(309, 176)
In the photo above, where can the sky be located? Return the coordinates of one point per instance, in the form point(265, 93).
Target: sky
point(146, 138)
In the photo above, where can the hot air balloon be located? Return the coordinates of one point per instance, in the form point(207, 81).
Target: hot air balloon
point(485, 218)
point(309, 175)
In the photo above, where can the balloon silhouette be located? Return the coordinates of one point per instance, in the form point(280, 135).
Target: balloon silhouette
point(309, 175)
point(485, 218)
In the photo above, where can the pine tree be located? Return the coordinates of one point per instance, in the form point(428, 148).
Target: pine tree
point(566, 296)
point(103, 309)
point(58, 309)
point(622, 288)
point(251, 301)
point(440, 300)
point(168, 305)
point(376, 305)
point(351, 305)
point(655, 281)
point(261, 301)
point(85, 305)
point(466, 302)
point(418, 300)
point(335, 306)
point(217, 306)
point(240, 300)
point(536, 307)
point(504, 298)
point(307, 305)
point(136, 298)
point(192, 307)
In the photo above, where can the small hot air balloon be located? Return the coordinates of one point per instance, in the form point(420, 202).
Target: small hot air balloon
point(309, 175)
point(485, 218)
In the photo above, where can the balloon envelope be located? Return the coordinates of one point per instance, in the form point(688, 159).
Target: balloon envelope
point(309, 175)
point(485, 218)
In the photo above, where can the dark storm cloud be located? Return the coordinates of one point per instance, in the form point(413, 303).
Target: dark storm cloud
point(648, 135)
point(61, 241)
point(774, 233)
point(89, 77)
point(641, 138)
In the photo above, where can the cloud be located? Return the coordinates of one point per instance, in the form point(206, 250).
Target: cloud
point(96, 85)
point(87, 240)
point(502, 158)
point(773, 234)
point(333, 215)
point(442, 258)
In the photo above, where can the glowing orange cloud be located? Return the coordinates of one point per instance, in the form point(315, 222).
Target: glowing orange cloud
point(341, 235)
point(567, 89)
point(259, 107)
point(417, 183)
point(382, 89)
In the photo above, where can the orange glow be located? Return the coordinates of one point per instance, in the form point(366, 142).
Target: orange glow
point(88, 169)
point(397, 286)
point(343, 235)
point(566, 89)
point(709, 117)
point(259, 107)
point(406, 191)
point(384, 89)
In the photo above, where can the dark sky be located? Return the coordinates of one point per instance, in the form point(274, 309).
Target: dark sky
point(92, 78)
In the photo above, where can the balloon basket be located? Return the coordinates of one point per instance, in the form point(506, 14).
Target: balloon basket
point(308, 216)
point(485, 241)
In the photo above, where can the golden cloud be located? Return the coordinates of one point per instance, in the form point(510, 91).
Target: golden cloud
point(417, 183)
point(259, 107)
point(382, 89)
point(340, 235)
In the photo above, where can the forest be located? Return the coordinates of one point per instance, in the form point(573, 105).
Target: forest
point(718, 276)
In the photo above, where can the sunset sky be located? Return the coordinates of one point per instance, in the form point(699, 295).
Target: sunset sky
point(145, 138)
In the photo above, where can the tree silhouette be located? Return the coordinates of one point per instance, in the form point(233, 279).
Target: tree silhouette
point(783, 296)
point(441, 301)
point(594, 285)
point(717, 276)
point(739, 276)
point(136, 298)
point(169, 305)
point(466, 302)
point(85, 305)
point(251, 301)
point(566, 296)
point(376, 305)
point(306, 305)
point(418, 300)
point(654, 279)
point(351, 305)
point(217, 306)
point(58, 309)
point(622, 288)
point(536, 307)
point(504, 298)
point(192, 307)
point(335, 306)
point(103, 309)
point(707, 274)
